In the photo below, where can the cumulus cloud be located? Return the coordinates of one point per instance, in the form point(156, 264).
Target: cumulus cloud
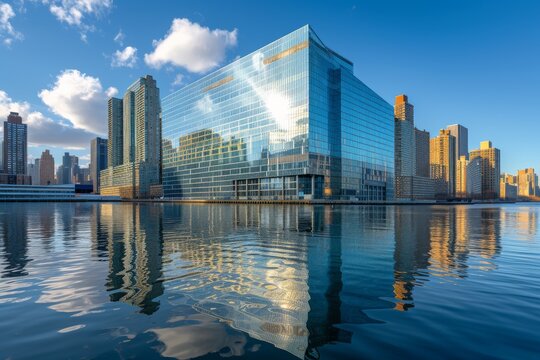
point(43, 131)
point(74, 12)
point(7, 31)
point(79, 98)
point(125, 58)
point(191, 46)
point(112, 91)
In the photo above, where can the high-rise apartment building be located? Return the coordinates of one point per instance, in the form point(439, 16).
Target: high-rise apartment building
point(527, 183)
point(491, 169)
point(98, 160)
point(405, 145)
point(461, 177)
point(289, 121)
point(442, 161)
point(139, 173)
point(461, 133)
point(15, 145)
point(409, 161)
point(115, 143)
point(46, 168)
point(474, 178)
point(509, 187)
point(422, 152)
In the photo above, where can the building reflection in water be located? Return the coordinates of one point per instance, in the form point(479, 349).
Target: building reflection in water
point(133, 234)
point(523, 220)
point(438, 241)
point(282, 286)
point(14, 230)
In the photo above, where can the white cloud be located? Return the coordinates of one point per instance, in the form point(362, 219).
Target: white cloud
point(79, 98)
point(125, 58)
point(119, 38)
point(74, 12)
point(178, 80)
point(7, 31)
point(191, 46)
point(43, 131)
point(112, 91)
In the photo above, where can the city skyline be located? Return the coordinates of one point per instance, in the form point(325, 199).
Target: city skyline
point(51, 104)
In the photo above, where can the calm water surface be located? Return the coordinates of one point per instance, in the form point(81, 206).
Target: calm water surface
point(120, 281)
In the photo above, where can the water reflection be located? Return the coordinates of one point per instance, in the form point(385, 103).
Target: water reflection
point(438, 241)
point(227, 280)
point(134, 241)
point(15, 235)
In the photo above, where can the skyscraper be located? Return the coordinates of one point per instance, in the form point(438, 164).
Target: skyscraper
point(75, 170)
point(289, 121)
point(409, 184)
point(474, 178)
point(491, 169)
point(461, 176)
point(98, 160)
point(461, 133)
point(527, 183)
point(405, 145)
point(509, 187)
point(33, 171)
point(138, 174)
point(70, 169)
point(115, 144)
point(442, 161)
point(66, 169)
point(422, 152)
point(15, 145)
point(46, 168)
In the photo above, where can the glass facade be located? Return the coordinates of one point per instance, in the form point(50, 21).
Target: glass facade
point(289, 121)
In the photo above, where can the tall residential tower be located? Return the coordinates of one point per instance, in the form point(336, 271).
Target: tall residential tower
point(490, 158)
point(115, 144)
point(15, 145)
point(443, 162)
point(134, 158)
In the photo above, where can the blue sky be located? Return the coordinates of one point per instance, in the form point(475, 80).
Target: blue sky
point(469, 62)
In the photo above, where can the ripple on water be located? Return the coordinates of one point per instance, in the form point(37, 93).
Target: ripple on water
point(183, 281)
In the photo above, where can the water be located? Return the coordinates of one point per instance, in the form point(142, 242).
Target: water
point(119, 281)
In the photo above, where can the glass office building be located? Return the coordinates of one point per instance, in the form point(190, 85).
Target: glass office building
point(288, 121)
